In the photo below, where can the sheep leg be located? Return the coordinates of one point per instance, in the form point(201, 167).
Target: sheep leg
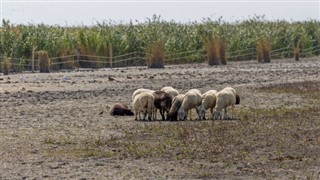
point(154, 115)
point(201, 115)
point(211, 112)
point(162, 111)
point(150, 115)
point(232, 112)
point(136, 115)
point(226, 117)
point(144, 115)
point(220, 114)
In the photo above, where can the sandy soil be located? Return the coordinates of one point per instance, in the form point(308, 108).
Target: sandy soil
point(42, 120)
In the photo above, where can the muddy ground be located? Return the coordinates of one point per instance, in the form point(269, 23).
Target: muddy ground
point(56, 128)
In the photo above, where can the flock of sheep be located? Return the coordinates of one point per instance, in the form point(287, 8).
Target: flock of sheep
point(176, 106)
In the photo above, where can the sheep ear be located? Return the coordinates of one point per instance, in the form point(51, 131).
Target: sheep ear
point(237, 99)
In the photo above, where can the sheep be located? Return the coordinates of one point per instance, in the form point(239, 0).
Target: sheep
point(225, 98)
point(195, 91)
point(191, 100)
point(162, 101)
point(208, 102)
point(138, 91)
point(170, 90)
point(143, 102)
point(120, 109)
point(176, 103)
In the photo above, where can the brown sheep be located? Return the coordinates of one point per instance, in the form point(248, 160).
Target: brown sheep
point(120, 109)
point(162, 101)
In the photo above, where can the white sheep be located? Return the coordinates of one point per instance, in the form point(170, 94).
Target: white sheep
point(225, 98)
point(191, 100)
point(144, 103)
point(208, 102)
point(195, 91)
point(170, 90)
point(139, 91)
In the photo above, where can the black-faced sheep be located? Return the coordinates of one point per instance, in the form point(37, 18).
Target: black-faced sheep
point(144, 103)
point(208, 102)
point(170, 90)
point(120, 109)
point(191, 100)
point(225, 98)
point(176, 103)
point(162, 101)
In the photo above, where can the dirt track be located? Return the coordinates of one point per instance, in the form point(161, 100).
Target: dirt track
point(47, 126)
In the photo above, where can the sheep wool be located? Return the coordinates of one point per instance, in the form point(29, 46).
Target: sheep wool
point(225, 98)
point(170, 90)
point(191, 100)
point(144, 103)
point(208, 102)
point(139, 91)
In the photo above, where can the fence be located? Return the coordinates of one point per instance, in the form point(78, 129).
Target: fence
point(139, 59)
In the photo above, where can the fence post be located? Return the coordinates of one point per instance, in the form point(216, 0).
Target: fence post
point(110, 50)
point(33, 49)
point(78, 58)
point(253, 50)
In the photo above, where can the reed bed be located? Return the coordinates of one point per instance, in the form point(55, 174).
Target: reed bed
point(16, 41)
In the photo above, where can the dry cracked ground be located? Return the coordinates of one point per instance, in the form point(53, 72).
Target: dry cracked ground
point(54, 128)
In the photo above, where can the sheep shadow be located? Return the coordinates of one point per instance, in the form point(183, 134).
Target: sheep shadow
point(193, 120)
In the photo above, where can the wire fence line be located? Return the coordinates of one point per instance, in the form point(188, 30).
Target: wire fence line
point(138, 58)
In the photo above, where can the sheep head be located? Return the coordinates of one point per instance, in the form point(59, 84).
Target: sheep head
point(129, 112)
point(237, 99)
point(201, 112)
point(217, 114)
point(172, 116)
point(182, 114)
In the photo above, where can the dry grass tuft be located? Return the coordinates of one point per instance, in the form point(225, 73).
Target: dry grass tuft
point(43, 61)
point(156, 55)
point(216, 51)
point(6, 65)
point(263, 50)
point(212, 47)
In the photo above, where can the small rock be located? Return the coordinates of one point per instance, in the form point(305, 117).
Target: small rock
point(99, 164)
point(6, 92)
point(23, 89)
point(110, 78)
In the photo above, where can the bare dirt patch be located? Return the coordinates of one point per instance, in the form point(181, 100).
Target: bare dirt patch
point(55, 128)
